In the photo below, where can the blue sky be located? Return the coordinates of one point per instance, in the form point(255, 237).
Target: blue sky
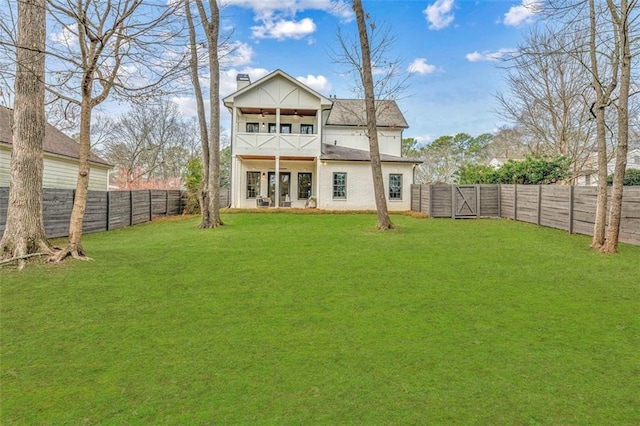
point(449, 47)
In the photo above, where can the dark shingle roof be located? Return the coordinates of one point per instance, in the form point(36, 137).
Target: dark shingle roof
point(55, 142)
point(351, 112)
point(341, 153)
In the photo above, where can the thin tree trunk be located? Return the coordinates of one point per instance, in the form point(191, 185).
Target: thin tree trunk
point(203, 198)
point(211, 197)
point(24, 232)
point(622, 22)
point(384, 222)
point(214, 117)
point(74, 243)
point(602, 100)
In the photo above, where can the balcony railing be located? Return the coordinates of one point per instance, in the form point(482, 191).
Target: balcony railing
point(248, 142)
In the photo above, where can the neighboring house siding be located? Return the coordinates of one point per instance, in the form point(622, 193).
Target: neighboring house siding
point(57, 173)
point(633, 162)
point(360, 194)
point(5, 161)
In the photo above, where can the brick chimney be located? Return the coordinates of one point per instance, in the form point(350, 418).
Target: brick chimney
point(242, 81)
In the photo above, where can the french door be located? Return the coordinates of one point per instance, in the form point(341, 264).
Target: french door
point(285, 187)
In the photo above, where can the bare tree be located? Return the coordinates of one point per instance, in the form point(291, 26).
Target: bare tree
point(622, 17)
point(546, 98)
point(210, 136)
point(603, 93)
point(149, 145)
point(24, 233)
point(103, 47)
point(606, 52)
point(366, 74)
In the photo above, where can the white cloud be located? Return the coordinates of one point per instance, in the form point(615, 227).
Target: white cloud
point(284, 29)
point(266, 8)
point(277, 19)
point(318, 83)
point(420, 66)
point(236, 54)
point(523, 13)
point(439, 14)
point(67, 36)
point(187, 105)
point(488, 56)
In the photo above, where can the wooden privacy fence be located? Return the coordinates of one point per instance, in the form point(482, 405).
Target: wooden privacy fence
point(105, 210)
point(571, 208)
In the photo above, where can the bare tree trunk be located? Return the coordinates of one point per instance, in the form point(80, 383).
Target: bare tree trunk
point(74, 245)
point(384, 222)
point(203, 197)
point(602, 101)
point(214, 117)
point(211, 27)
point(24, 232)
point(621, 21)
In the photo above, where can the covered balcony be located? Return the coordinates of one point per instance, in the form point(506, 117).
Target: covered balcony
point(276, 131)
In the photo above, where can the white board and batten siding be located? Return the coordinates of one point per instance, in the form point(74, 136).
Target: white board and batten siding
point(389, 140)
point(360, 194)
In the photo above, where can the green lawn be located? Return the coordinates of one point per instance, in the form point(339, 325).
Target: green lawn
point(320, 319)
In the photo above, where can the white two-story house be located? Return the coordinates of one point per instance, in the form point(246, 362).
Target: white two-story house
point(289, 140)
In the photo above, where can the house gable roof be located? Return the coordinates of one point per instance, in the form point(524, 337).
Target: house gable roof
point(351, 112)
point(341, 153)
point(55, 142)
point(228, 100)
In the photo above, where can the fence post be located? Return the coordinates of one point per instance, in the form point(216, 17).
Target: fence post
point(478, 203)
point(150, 207)
point(500, 200)
point(430, 206)
point(571, 209)
point(420, 198)
point(453, 202)
point(108, 211)
point(515, 201)
point(539, 202)
point(166, 202)
point(130, 208)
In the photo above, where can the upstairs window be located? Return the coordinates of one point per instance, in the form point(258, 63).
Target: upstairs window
point(306, 129)
point(253, 127)
point(285, 128)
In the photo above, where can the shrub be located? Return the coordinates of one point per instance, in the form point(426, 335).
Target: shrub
point(533, 170)
point(193, 181)
point(631, 178)
point(476, 173)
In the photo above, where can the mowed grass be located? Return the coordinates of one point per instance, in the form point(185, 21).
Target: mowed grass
point(320, 319)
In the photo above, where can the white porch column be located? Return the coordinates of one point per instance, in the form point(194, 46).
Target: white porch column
point(277, 190)
point(234, 198)
point(234, 120)
point(319, 127)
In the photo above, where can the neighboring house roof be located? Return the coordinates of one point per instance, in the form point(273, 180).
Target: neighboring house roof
point(341, 153)
point(55, 142)
point(351, 112)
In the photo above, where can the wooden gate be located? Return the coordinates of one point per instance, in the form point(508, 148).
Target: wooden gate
point(465, 201)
